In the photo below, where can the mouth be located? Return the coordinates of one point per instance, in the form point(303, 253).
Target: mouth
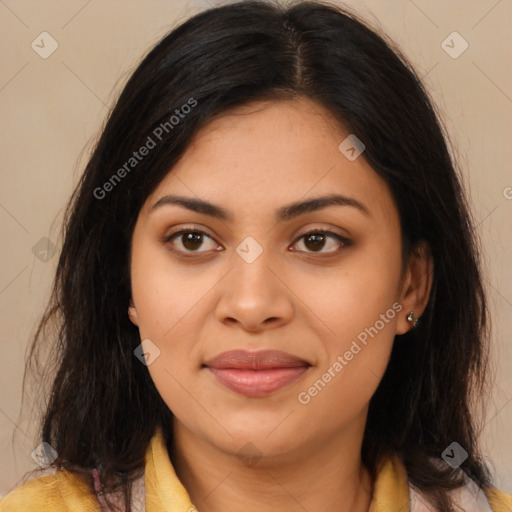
point(256, 374)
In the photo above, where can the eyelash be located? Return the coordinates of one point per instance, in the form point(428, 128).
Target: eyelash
point(345, 242)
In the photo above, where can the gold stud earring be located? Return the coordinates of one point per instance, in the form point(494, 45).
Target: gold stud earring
point(411, 318)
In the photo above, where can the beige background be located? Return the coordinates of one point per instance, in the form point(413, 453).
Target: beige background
point(51, 109)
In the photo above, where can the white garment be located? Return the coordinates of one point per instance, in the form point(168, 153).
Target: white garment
point(469, 498)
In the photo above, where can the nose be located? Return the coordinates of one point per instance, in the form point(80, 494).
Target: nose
point(254, 296)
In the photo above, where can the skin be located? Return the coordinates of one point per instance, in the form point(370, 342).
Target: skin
point(308, 300)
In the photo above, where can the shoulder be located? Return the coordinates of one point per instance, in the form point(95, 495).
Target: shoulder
point(60, 492)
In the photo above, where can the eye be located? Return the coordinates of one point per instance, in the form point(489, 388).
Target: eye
point(189, 241)
point(317, 239)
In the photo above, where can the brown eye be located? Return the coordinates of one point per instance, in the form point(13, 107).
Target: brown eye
point(192, 241)
point(189, 241)
point(317, 240)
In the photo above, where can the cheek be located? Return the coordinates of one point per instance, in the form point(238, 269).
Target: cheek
point(344, 382)
point(165, 294)
point(352, 298)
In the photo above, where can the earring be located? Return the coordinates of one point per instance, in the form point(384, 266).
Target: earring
point(411, 318)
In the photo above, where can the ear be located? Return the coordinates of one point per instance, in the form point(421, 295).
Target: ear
point(132, 313)
point(417, 283)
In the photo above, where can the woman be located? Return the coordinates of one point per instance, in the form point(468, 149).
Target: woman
point(269, 292)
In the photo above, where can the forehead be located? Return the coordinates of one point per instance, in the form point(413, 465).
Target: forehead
point(260, 156)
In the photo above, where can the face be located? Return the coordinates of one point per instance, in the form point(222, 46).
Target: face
point(319, 283)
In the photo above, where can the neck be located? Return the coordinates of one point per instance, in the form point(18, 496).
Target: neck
point(327, 476)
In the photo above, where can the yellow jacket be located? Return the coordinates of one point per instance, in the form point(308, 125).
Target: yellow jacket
point(160, 490)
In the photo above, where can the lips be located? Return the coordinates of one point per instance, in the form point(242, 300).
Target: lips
point(261, 360)
point(256, 374)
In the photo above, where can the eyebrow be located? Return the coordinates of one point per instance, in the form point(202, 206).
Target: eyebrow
point(285, 213)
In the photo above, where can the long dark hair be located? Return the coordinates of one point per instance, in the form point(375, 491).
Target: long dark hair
point(103, 408)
